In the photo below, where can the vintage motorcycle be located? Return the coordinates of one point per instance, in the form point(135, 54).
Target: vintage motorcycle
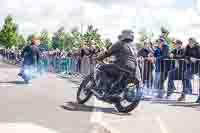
point(125, 98)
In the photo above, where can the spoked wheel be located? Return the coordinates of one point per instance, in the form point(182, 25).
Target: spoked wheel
point(84, 91)
point(131, 99)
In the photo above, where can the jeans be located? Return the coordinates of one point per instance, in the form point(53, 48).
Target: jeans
point(148, 84)
point(159, 80)
point(28, 71)
point(187, 86)
point(156, 80)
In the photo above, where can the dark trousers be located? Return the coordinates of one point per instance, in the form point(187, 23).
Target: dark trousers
point(178, 74)
point(107, 76)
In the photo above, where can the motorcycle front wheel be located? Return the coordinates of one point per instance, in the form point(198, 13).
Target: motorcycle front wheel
point(84, 91)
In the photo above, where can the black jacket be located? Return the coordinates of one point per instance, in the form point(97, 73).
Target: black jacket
point(31, 55)
point(146, 67)
point(178, 55)
point(124, 56)
point(194, 53)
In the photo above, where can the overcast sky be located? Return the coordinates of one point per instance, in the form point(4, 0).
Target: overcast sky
point(181, 17)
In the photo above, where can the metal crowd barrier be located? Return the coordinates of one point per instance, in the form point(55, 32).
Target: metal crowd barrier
point(171, 70)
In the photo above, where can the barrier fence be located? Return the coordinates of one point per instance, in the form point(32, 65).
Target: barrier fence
point(171, 75)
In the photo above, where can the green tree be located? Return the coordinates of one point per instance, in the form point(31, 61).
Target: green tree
point(77, 38)
point(45, 39)
point(21, 42)
point(69, 41)
point(108, 43)
point(8, 34)
point(58, 40)
point(92, 34)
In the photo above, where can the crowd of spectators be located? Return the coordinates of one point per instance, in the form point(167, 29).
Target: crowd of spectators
point(158, 63)
point(76, 60)
point(161, 63)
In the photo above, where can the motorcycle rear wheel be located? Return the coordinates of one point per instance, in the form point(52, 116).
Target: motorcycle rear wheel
point(126, 109)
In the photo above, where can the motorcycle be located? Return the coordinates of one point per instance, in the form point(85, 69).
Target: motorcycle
point(125, 98)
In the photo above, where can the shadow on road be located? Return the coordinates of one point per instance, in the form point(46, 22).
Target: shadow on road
point(72, 106)
point(12, 82)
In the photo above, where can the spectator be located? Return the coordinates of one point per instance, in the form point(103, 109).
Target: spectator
point(93, 54)
point(192, 54)
point(176, 71)
point(147, 66)
point(31, 55)
point(85, 61)
point(161, 53)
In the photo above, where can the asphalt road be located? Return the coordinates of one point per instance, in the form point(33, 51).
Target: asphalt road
point(48, 105)
point(40, 103)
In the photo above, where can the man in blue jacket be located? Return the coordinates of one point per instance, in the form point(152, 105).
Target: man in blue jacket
point(161, 66)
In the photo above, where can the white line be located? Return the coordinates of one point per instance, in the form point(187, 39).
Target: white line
point(97, 115)
point(161, 125)
point(24, 128)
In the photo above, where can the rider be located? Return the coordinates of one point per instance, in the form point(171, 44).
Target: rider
point(125, 58)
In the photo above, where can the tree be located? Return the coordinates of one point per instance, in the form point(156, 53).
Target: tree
point(144, 36)
point(44, 37)
point(69, 41)
point(58, 40)
point(45, 40)
point(77, 38)
point(21, 42)
point(8, 34)
point(92, 34)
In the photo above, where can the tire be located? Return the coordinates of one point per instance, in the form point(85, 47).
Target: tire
point(131, 106)
point(127, 109)
point(81, 87)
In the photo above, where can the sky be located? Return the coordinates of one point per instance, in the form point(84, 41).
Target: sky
point(181, 17)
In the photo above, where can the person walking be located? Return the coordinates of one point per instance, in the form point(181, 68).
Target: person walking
point(31, 57)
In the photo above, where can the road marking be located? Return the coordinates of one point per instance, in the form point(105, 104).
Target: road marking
point(6, 85)
point(24, 128)
point(161, 125)
point(97, 115)
point(97, 119)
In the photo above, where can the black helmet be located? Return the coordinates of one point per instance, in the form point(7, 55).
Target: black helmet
point(127, 35)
